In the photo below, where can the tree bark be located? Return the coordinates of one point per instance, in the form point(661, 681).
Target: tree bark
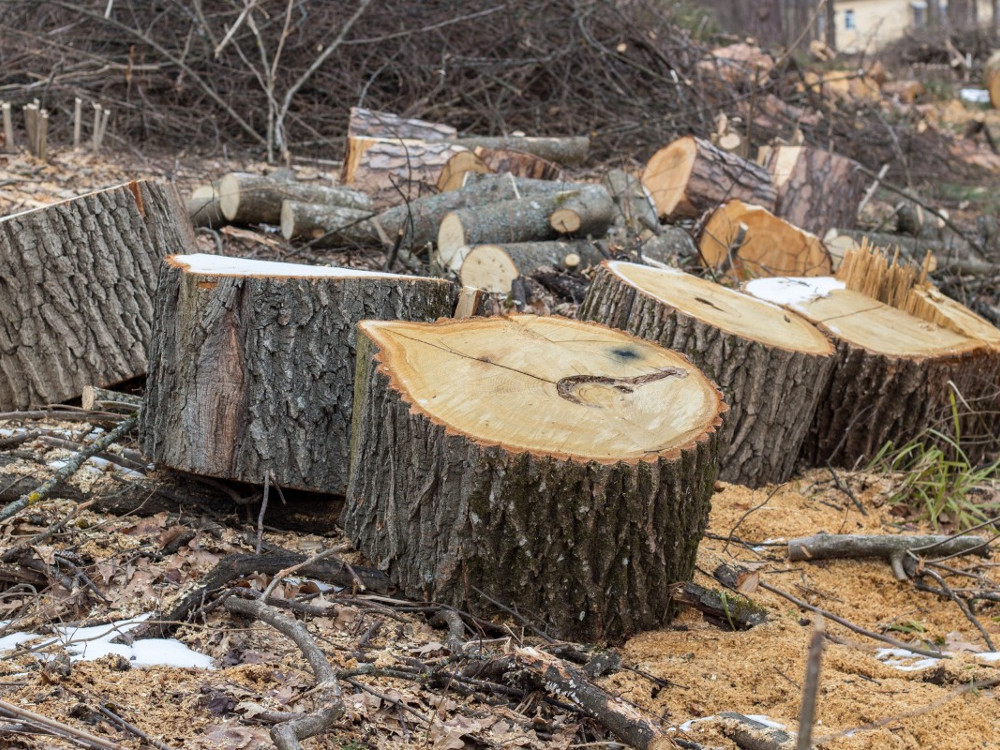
point(580, 516)
point(369, 123)
point(495, 267)
point(252, 365)
point(254, 199)
point(330, 225)
point(817, 190)
point(569, 151)
point(394, 171)
point(771, 367)
point(749, 242)
point(896, 376)
point(495, 161)
point(77, 281)
point(690, 176)
point(526, 219)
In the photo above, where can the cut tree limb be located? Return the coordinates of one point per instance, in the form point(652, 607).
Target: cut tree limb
point(252, 365)
point(495, 161)
point(255, 199)
point(526, 219)
point(817, 190)
point(328, 225)
point(203, 207)
point(772, 366)
point(78, 280)
point(370, 123)
point(583, 515)
point(691, 176)
point(748, 242)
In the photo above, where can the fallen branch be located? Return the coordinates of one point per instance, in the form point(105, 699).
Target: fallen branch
point(57, 728)
point(72, 465)
point(286, 735)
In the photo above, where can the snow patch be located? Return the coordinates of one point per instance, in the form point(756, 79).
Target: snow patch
point(793, 290)
point(220, 265)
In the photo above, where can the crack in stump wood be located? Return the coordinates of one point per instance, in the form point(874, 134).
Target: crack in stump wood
point(568, 386)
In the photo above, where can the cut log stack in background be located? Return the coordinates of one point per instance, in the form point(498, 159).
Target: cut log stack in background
point(578, 457)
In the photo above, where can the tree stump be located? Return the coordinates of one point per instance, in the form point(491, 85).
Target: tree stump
point(771, 366)
point(252, 365)
point(896, 375)
point(396, 170)
point(748, 242)
point(690, 176)
point(817, 190)
point(553, 466)
point(77, 281)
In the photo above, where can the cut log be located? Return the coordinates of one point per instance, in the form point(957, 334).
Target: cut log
point(394, 171)
point(749, 242)
point(331, 225)
point(495, 161)
point(691, 176)
point(254, 199)
point(896, 375)
point(587, 212)
point(528, 219)
point(635, 209)
point(817, 190)
point(203, 207)
point(369, 123)
point(495, 267)
point(554, 466)
point(568, 151)
point(991, 78)
point(252, 365)
point(771, 366)
point(78, 280)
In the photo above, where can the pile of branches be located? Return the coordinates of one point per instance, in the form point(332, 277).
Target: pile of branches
point(280, 76)
point(284, 74)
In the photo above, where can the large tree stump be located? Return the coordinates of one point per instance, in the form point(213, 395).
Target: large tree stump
point(749, 241)
point(817, 190)
point(557, 467)
point(896, 375)
point(77, 281)
point(691, 175)
point(252, 365)
point(772, 366)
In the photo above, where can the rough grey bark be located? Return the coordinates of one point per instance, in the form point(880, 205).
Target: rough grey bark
point(254, 199)
point(586, 550)
point(77, 281)
point(873, 398)
point(327, 226)
point(254, 374)
point(587, 212)
point(772, 392)
point(820, 190)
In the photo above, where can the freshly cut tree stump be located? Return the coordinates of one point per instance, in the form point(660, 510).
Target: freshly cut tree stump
point(817, 190)
point(254, 199)
point(895, 377)
point(554, 466)
point(252, 365)
point(690, 176)
point(748, 242)
point(77, 283)
point(531, 219)
point(771, 365)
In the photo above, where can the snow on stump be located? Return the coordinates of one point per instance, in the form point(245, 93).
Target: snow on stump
point(252, 365)
point(77, 281)
point(557, 467)
point(771, 365)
